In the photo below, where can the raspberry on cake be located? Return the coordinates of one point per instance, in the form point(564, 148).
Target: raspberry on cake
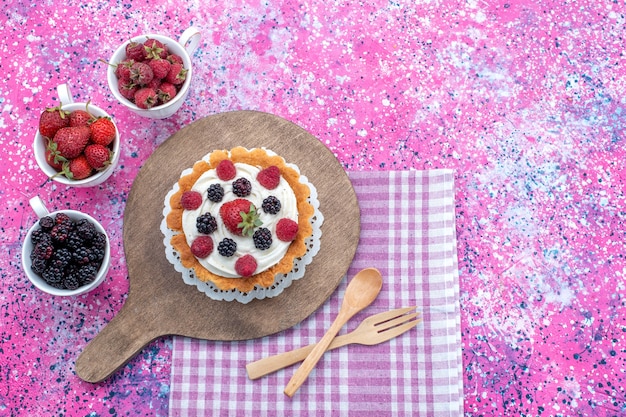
point(253, 209)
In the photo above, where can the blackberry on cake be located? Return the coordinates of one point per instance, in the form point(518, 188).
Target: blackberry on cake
point(271, 205)
point(215, 193)
point(206, 224)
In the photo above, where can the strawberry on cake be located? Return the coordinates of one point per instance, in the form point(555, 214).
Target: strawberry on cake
point(239, 218)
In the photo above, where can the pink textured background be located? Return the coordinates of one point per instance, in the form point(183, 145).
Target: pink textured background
point(524, 101)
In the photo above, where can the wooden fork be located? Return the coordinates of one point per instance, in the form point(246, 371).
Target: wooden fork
point(373, 330)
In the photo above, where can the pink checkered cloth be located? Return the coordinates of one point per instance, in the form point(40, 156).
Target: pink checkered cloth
point(408, 233)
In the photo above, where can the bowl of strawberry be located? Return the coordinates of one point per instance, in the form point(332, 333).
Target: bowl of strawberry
point(151, 74)
point(76, 144)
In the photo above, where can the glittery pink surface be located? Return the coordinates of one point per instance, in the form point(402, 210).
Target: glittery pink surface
point(524, 101)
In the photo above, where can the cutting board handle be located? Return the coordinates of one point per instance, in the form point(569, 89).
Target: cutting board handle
point(120, 340)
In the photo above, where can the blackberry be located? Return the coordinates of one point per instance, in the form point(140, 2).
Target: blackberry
point(74, 241)
point(83, 256)
point(62, 218)
point(38, 266)
point(242, 187)
point(71, 282)
point(262, 238)
point(52, 275)
point(99, 241)
point(271, 205)
point(85, 229)
point(206, 223)
point(87, 273)
point(46, 223)
point(97, 253)
point(60, 233)
point(42, 250)
point(40, 235)
point(61, 258)
point(215, 193)
point(227, 247)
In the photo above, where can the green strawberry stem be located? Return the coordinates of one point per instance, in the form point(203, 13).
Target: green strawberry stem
point(249, 221)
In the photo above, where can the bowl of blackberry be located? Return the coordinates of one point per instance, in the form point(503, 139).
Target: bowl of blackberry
point(66, 252)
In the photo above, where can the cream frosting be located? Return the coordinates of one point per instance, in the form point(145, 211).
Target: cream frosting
point(225, 266)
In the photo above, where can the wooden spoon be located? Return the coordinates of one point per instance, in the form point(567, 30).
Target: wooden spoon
point(361, 291)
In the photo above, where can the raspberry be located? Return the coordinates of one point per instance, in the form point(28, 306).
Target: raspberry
point(269, 177)
point(206, 223)
point(245, 266)
point(286, 230)
point(215, 193)
point(226, 170)
point(242, 187)
point(227, 247)
point(202, 246)
point(262, 238)
point(191, 200)
point(271, 205)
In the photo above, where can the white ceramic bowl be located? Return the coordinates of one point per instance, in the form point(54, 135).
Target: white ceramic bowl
point(185, 47)
point(39, 145)
point(27, 247)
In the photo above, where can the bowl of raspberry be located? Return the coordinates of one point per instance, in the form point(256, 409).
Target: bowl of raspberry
point(76, 144)
point(66, 252)
point(151, 74)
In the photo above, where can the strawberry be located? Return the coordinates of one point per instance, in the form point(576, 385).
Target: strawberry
point(135, 51)
point(98, 156)
point(146, 98)
point(77, 168)
point(53, 158)
point(155, 49)
point(269, 177)
point(246, 265)
point(202, 246)
point(240, 217)
point(191, 200)
point(160, 67)
point(177, 74)
point(166, 92)
point(80, 118)
point(51, 120)
point(141, 73)
point(71, 141)
point(102, 131)
point(226, 170)
point(286, 230)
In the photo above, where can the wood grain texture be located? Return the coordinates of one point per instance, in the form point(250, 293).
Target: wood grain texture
point(159, 303)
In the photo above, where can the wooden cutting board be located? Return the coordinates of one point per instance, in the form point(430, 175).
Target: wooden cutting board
point(159, 303)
